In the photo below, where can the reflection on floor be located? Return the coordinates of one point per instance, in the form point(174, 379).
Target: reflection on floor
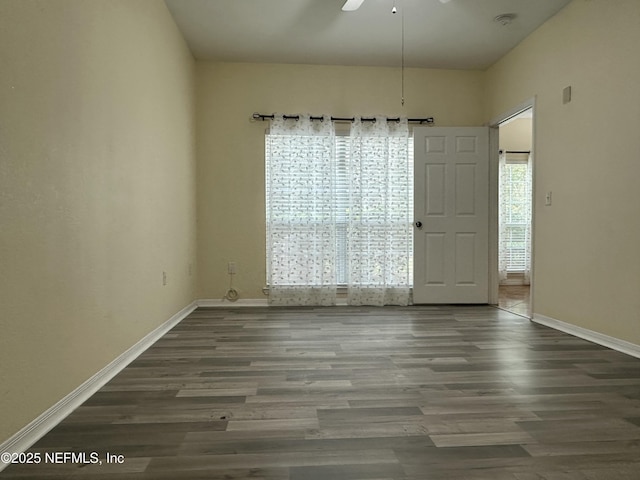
point(515, 299)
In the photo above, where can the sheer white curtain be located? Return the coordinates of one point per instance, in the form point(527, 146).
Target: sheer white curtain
point(514, 217)
point(380, 214)
point(503, 206)
point(300, 217)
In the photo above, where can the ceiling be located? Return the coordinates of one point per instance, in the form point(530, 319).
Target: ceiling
point(460, 34)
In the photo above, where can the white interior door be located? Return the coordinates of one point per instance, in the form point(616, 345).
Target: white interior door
point(451, 205)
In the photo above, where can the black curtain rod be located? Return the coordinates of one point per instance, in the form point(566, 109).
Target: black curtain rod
point(516, 151)
point(260, 116)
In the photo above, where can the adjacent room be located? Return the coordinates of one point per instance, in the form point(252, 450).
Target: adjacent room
point(319, 239)
point(515, 181)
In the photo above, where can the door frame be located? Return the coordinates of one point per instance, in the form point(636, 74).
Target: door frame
point(494, 143)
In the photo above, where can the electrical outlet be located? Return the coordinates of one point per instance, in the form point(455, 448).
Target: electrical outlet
point(164, 278)
point(231, 268)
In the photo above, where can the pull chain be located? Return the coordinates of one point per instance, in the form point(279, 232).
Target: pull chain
point(394, 10)
point(402, 55)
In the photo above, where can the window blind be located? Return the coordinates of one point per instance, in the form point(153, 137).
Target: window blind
point(515, 212)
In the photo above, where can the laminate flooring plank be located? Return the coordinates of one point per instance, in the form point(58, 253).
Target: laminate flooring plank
point(595, 429)
point(369, 393)
point(273, 460)
point(201, 443)
point(348, 472)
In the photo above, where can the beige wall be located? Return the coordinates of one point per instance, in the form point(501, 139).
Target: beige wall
point(587, 266)
point(516, 135)
point(230, 148)
point(97, 190)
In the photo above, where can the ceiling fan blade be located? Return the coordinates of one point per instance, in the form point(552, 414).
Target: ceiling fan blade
point(351, 5)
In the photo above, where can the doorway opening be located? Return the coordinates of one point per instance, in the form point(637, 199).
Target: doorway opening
point(515, 212)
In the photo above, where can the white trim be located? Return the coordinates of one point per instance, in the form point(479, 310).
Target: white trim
point(249, 302)
point(586, 334)
point(512, 112)
point(494, 279)
point(35, 430)
point(514, 278)
point(243, 302)
point(514, 282)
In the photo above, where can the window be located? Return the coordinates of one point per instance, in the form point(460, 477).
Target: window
point(339, 211)
point(382, 217)
point(515, 213)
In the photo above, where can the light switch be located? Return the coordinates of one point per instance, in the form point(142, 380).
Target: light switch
point(547, 198)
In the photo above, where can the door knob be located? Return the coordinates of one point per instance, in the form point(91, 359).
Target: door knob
point(419, 224)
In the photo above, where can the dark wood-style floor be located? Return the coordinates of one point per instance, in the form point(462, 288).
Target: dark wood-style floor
point(337, 393)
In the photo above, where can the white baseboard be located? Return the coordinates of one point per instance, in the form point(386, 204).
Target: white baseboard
point(247, 302)
point(30, 434)
point(595, 337)
point(243, 302)
point(513, 282)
